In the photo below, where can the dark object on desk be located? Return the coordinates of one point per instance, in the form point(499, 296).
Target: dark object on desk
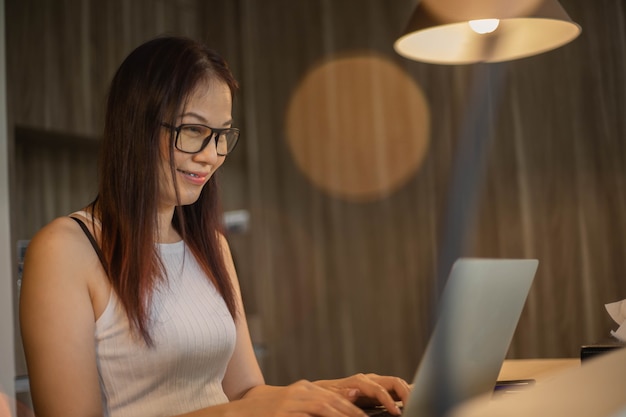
point(513, 385)
point(594, 349)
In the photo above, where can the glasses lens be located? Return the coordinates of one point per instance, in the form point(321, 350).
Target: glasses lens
point(226, 141)
point(191, 137)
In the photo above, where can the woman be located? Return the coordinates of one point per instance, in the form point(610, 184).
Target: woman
point(131, 307)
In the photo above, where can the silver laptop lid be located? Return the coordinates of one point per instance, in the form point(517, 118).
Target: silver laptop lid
point(477, 316)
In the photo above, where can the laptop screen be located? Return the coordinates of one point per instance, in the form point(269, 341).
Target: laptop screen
point(477, 316)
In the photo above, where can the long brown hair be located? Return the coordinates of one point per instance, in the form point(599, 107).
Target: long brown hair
point(149, 88)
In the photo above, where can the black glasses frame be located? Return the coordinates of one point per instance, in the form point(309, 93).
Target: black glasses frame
point(215, 133)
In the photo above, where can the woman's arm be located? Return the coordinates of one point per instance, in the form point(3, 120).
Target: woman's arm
point(57, 322)
point(243, 372)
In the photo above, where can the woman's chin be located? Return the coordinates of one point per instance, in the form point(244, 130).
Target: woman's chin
point(189, 199)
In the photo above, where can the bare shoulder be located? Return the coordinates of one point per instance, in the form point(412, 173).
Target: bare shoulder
point(62, 275)
point(61, 227)
point(59, 251)
point(59, 239)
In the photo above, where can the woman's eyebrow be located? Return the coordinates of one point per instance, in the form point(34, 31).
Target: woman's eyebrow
point(202, 119)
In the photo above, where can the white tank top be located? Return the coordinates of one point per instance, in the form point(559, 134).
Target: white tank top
point(194, 337)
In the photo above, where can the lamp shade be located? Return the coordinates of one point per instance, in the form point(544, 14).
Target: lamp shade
point(452, 35)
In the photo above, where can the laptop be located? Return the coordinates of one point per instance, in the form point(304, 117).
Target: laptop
point(477, 316)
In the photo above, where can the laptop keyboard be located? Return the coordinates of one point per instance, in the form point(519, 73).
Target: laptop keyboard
point(379, 412)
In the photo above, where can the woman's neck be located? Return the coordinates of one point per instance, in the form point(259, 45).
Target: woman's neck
point(166, 232)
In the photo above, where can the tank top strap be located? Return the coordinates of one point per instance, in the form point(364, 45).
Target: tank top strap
point(93, 242)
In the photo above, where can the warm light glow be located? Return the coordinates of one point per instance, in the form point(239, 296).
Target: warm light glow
point(375, 129)
point(483, 26)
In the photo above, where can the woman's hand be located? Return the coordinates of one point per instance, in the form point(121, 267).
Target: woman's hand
point(300, 399)
point(370, 389)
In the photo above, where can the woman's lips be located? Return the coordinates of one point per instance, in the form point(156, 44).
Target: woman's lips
point(198, 178)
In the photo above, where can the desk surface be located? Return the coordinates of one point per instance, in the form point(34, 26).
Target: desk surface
point(565, 388)
point(537, 369)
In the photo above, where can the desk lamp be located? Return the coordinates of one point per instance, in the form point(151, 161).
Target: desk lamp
point(458, 32)
point(472, 31)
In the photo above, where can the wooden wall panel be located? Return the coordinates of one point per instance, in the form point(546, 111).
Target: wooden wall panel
point(325, 275)
point(547, 191)
point(365, 269)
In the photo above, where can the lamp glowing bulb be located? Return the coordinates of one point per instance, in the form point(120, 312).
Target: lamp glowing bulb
point(483, 26)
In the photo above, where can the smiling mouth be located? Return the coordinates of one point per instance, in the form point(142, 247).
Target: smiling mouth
point(196, 178)
point(191, 174)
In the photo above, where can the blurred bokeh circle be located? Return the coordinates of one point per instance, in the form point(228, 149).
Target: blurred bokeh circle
point(358, 126)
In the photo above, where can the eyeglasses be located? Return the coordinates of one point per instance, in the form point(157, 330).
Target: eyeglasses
point(193, 138)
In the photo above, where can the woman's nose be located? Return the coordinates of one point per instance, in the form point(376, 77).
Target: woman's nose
point(208, 154)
